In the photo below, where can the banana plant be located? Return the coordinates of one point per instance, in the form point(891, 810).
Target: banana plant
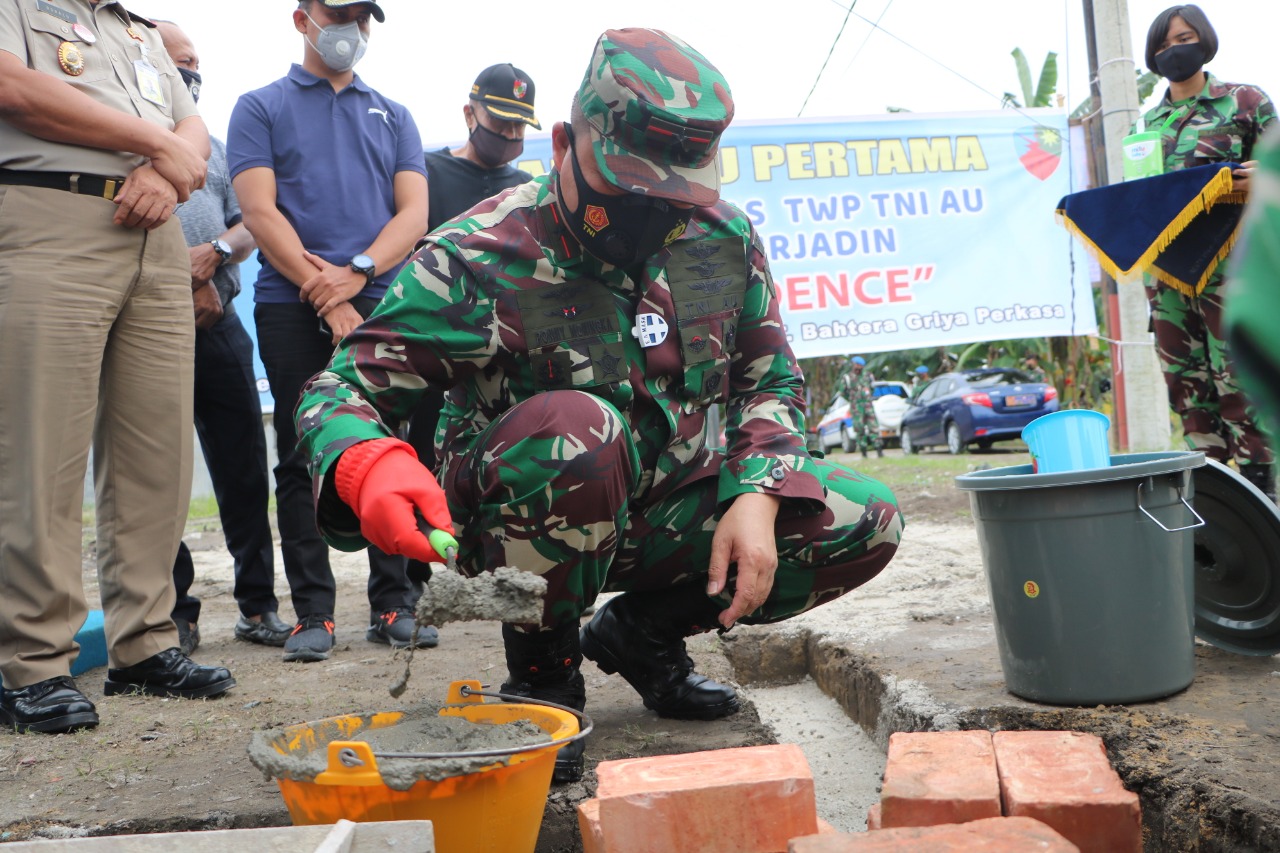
point(1046, 87)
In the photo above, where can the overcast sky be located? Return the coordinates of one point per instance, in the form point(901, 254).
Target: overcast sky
point(427, 54)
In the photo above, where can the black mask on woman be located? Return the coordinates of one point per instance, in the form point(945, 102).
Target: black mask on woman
point(1180, 62)
point(494, 149)
point(620, 229)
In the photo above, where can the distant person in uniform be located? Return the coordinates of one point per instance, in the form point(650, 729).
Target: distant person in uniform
point(330, 178)
point(584, 325)
point(99, 142)
point(1204, 120)
point(228, 414)
point(857, 385)
point(1031, 367)
point(919, 377)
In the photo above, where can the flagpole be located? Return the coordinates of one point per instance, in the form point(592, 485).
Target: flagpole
point(1142, 403)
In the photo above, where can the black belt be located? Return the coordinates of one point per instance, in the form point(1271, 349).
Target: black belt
point(72, 182)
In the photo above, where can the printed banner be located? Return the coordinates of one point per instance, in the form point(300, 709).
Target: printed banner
point(901, 231)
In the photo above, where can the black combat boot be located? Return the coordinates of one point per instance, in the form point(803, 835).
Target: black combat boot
point(1262, 476)
point(547, 666)
point(640, 636)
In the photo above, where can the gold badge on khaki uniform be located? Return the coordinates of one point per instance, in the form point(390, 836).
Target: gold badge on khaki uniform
point(134, 34)
point(70, 59)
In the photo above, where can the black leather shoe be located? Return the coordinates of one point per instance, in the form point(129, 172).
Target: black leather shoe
point(547, 666)
point(641, 637)
point(268, 630)
point(52, 706)
point(170, 673)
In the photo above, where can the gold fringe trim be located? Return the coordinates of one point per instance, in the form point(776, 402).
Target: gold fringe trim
point(1216, 191)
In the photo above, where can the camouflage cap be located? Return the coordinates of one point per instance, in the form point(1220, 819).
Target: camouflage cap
point(656, 109)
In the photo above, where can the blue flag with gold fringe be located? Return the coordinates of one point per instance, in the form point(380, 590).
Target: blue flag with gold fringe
point(1175, 227)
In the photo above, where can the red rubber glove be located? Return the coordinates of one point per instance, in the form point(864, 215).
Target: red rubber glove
point(383, 481)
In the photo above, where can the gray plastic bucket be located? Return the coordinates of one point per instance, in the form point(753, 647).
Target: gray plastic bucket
point(1091, 576)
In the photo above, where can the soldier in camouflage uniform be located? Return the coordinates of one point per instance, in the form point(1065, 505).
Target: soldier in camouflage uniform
point(857, 385)
point(1031, 367)
point(1204, 121)
point(583, 325)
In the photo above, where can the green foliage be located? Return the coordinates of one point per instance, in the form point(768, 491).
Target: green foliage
point(1042, 95)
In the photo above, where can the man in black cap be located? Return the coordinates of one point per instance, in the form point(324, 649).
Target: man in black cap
point(497, 112)
point(499, 109)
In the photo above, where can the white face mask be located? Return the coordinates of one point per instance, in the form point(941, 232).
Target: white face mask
point(340, 46)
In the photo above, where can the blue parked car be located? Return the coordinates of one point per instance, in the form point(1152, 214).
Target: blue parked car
point(979, 406)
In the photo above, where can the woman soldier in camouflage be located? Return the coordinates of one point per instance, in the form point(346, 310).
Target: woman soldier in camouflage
point(1204, 120)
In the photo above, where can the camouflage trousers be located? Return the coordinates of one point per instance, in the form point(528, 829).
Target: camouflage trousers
point(866, 427)
point(548, 488)
point(1201, 379)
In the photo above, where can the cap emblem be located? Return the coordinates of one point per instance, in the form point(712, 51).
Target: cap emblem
point(519, 87)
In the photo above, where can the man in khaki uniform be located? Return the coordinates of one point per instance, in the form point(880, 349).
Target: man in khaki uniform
point(99, 141)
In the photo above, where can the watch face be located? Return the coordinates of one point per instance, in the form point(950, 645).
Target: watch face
point(362, 263)
point(222, 248)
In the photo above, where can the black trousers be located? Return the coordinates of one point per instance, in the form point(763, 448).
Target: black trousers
point(293, 350)
point(228, 420)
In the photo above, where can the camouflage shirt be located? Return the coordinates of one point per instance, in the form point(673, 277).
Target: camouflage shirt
point(1220, 125)
point(501, 305)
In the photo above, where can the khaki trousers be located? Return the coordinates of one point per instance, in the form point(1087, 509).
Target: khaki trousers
point(96, 342)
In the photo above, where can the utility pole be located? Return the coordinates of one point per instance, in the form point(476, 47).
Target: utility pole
point(1137, 378)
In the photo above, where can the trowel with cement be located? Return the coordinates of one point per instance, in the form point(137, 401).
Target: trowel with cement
point(503, 595)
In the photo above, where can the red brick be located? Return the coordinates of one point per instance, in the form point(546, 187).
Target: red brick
point(744, 800)
point(873, 818)
point(939, 777)
point(1066, 780)
point(589, 826)
point(990, 835)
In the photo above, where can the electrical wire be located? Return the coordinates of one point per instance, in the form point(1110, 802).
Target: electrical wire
point(832, 50)
point(875, 25)
point(867, 37)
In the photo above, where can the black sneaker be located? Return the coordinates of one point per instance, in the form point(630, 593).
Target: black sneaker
point(169, 673)
point(395, 628)
point(268, 630)
point(311, 640)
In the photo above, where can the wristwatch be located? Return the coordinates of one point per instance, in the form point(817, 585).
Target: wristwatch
point(364, 265)
point(223, 250)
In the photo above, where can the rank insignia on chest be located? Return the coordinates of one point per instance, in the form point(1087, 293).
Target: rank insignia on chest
point(651, 329)
point(70, 59)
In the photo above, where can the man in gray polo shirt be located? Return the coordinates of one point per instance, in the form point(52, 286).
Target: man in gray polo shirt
point(228, 415)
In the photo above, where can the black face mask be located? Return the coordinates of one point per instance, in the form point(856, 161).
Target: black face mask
point(494, 149)
point(192, 81)
point(620, 229)
point(1180, 62)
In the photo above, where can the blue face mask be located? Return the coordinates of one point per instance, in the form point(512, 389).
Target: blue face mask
point(341, 46)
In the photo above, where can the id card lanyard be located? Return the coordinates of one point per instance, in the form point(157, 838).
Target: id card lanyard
point(148, 78)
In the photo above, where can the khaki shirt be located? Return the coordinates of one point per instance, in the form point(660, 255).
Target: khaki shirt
point(100, 37)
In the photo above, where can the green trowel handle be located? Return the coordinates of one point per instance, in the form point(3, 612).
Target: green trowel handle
point(444, 543)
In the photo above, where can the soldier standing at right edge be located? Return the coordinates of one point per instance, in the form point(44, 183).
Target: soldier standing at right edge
point(584, 324)
point(1204, 120)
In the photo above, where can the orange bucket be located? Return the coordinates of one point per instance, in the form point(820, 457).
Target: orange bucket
point(496, 808)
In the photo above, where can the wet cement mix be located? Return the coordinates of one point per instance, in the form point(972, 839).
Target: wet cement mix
point(420, 730)
point(504, 595)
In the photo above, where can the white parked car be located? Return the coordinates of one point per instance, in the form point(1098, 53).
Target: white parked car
point(835, 429)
